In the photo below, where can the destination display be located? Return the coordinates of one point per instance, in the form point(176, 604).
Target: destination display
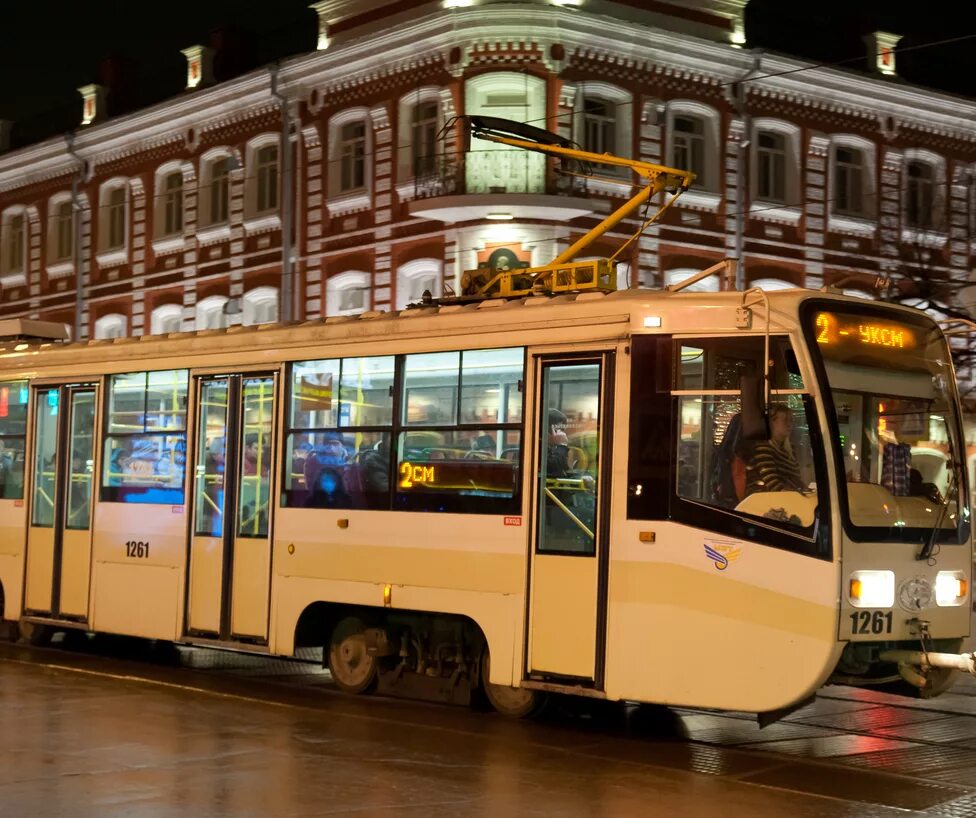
point(848, 331)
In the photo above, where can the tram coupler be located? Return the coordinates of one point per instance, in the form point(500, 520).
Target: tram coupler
point(918, 660)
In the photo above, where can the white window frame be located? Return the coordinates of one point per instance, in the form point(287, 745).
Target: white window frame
point(934, 234)
point(169, 204)
point(337, 284)
point(113, 325)
point(205, 199)
point(256, 220)
point(13, 248)
point(861, 223)
point(412, 272)
point(406, 136)
point(620, 103)
point(207, 308)
point(162, 317)
point(712, 150)
point(109, 253)
point(55, 259)
point(679, 274)
point(788, 210)
point(260, 306)
point(346, 201)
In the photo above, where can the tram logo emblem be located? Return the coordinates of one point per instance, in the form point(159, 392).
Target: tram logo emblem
point(722, 554)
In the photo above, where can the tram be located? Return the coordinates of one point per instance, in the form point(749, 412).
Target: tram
point(384, 486)
point(544, 485)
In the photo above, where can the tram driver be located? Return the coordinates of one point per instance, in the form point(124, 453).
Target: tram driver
point(773, 465)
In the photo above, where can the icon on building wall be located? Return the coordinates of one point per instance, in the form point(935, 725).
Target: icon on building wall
point(492, 260)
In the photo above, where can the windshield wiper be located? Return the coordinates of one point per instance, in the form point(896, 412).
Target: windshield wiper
point(929, 547)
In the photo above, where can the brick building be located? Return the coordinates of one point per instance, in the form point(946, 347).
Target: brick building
point(338, 181)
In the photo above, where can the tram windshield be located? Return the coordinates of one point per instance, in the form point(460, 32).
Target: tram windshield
point(890, 382)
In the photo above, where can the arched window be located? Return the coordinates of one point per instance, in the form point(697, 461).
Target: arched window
point(419, 118)
point(416, 277)
point(924, 190)
point(261, 177)
point(776, 163)
point(60, 229)
point(113, 202)
point(693, 129)
point(350, 145)
point(113, 325)
point(706, 285)
point(166, 318)
point(260, 306)
point(602, 121)
point(168, 205)
point(490, 167)
point(852, 177)
point(13, 242)
point(210, 312)
point(214, 199)
point(347, 294)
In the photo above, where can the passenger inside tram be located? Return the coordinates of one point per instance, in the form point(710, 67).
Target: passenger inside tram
point(773, 465)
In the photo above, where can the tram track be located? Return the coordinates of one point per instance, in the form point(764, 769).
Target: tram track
point(881, 776)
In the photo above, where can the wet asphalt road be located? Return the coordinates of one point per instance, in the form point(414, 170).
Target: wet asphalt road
point(120, 730)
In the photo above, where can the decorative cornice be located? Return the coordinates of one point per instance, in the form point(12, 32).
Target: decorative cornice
point(490, 33)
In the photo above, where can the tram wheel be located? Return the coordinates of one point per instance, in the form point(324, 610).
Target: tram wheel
point(352, 668)
point(514, 702)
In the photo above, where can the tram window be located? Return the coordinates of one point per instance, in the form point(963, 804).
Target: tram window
point(460, 409)
point(313, 399)
point(430, 388)
point(366, 392)
point(338, 470)
point(337, 448)
point(145, 444)
point(13, 428)
point(773, 479)
point(719, 363)
point(458, 470)
point(490, 380)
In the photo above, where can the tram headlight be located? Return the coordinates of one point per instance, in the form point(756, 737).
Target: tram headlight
point(872, 589)
point(951, 588)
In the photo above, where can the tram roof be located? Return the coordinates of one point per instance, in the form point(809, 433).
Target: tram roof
point(537, 319)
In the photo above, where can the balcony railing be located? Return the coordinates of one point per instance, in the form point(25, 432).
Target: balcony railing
point(491, 171)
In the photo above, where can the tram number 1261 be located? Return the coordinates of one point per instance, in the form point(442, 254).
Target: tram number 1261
point(137, 549)
point(875, 622)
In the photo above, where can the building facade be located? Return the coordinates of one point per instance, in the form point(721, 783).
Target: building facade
point(341, 181)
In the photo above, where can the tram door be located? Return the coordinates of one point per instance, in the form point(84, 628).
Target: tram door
point(59, 540)
point(230, 547)
point(569, 564)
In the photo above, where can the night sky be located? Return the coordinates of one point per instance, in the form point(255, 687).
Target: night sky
point(51, 48)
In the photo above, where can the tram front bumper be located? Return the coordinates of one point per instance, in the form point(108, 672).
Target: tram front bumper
point(914, 664)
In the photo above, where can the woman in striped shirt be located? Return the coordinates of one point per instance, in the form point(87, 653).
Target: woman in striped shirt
point(773, 465)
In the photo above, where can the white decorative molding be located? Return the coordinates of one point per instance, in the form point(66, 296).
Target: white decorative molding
point(771, 212)
point(261, 224)
point(213, 235)
point(933, 239)
point(699, 200)
point(62, 269)
point(852, 226)
point(112, 258)
point(169, 244)
point(17, 279)
point(354, 202)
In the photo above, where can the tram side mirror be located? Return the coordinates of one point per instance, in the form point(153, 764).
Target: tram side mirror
point(755, 423)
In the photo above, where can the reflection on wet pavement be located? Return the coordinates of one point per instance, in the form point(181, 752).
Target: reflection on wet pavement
point(122, 728)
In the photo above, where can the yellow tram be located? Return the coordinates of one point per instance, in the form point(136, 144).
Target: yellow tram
point(386, 486)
